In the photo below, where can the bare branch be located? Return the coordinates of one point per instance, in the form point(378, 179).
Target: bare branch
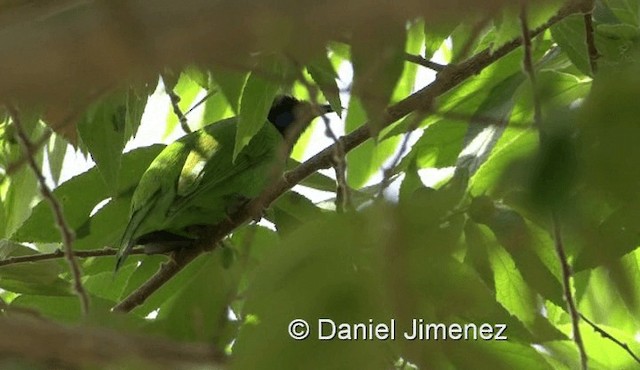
point(591, 42)
point(606, 335)
point(418, 59)
point(60, 253)
point(66, 232)
point(199, 102)
point(37, 340)
point(446, 80)
point(175, 105)
point(528, 64)
point(568, 295)
point(388, 171)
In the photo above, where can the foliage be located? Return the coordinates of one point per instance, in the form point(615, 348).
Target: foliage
point(529, 171)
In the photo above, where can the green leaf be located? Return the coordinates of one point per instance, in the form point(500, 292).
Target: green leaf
point(105, 227)
point(231, 83)
point(509, 26)
point(569, 34)
point(438, 146)
point(378, 61)
point(137, 97)
point(325, 76)
point(514, 235)
point(257, 97)
point(627, 11)
point(30, 278)
point(102, 130)
point(607, 152)
point(434, 35)
point(197, 310)
point(481, 137)
point(56, 152)
point(292, 210)
point(78, 203)
point(65, 309)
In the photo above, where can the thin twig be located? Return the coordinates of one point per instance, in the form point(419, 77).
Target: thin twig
point(58, 253)
point(389, 170)
point(175, 104)
point(65, 231)
point(420, 60)
point(338, 158)
point(568, 295)
point(527, 63)
point(606, 335)
point(566, 269)
point(591, 42)
point(17, 164)
point(446, 80)
point(204, 98)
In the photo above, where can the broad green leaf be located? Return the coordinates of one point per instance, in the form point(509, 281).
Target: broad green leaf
point(197, 310)
point(137, 97)
point(30, 278)
point(378, 56)
point(500, 355)
point(438, 146)
point(216, 108)
point(102, 131)
point(325, 76)
point(512, 232)
point(481, 137)
point(627, 11)
point(105, 227)
point(509, 26)
point(292, 210)
point(64, 309)
point(410, 183)
point(608, 147)
point(198, 76)
point(256, 100)
point(21, 189)
point(514, 144)
point(231, 83)
point(569, 34)
point(78, 203)
point(434, 35)
point(56, 151)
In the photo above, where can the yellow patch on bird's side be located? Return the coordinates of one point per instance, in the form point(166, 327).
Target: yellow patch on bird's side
point(205, 146)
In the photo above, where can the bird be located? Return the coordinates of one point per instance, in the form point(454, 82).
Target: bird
point(196, 181)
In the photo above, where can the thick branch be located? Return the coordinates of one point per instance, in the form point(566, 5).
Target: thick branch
point(39, 341)
point(421, 100)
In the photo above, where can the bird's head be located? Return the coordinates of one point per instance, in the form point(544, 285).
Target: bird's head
point(286, 110)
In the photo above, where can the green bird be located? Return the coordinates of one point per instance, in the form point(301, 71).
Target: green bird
point(195, 181)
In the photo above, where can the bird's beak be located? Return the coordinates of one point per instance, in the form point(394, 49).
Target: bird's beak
point(322, 109)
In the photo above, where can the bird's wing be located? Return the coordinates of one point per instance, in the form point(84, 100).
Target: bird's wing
point(219, 169)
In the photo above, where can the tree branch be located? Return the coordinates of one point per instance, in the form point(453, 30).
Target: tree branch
point(66, 232)
point(568, 295)
point(418, 59)
point(60, 253)
point(37, 340)
point(606, 335)
point(447, 79)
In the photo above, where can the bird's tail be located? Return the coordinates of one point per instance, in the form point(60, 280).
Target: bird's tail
point(128, 237)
